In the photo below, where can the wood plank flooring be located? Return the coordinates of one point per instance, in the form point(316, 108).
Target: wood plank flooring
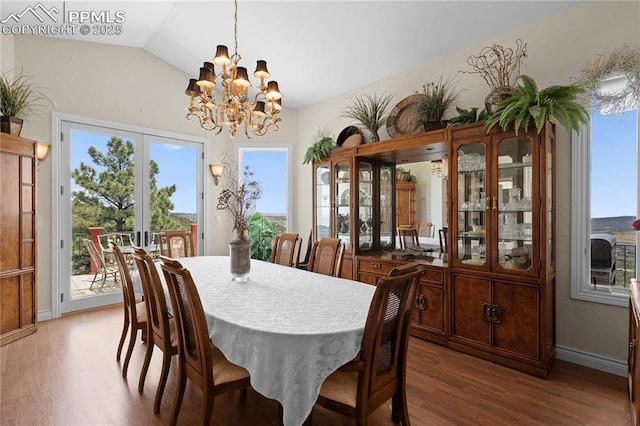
point(67, 374)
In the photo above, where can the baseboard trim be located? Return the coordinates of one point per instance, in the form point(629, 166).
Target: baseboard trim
point(45, 315)
point(598, 362)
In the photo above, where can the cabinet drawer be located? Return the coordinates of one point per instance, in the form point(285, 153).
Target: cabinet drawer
point(432, 276)
point(375, 266)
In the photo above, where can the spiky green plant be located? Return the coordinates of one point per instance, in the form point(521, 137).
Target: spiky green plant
point(439, 98)
point(554, 104)
point(18, 96)
point(466, 116)
point(319, 149)
point(370, 111)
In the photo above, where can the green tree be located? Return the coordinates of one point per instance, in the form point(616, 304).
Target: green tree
point(107, 195)
point(261, 232)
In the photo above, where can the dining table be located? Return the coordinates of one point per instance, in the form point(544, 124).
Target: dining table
point(288, 327)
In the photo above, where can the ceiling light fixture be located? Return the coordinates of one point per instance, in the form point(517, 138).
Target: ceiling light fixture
point(233, 107)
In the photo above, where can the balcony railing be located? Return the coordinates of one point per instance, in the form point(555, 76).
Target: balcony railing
point(626, 267)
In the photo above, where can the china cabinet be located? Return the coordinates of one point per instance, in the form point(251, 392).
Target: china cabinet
point(491, 293)
point(333, 204)
point(18, 296)
point(501, 231)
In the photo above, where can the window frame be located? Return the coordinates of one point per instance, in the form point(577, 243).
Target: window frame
point(581, 222)
point(285, 147)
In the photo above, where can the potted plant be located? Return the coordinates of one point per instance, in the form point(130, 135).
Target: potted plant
point(555, 104)
point(370, 111)
point(18, 97)
point(439, 98)
point(319, 149)
point(403, 175)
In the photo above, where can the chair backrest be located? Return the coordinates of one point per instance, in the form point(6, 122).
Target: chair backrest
point(443, 236)
point(155, 300)
point(174, 244)
point(194, 346)
point(286, 249)
point(385, 337)
point(326, 257)
point(426, 229)
point(408, 237)
point(125, 278)
point(96, 255)
point(120, 238)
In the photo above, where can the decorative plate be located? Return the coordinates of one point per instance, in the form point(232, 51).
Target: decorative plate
point(346, 134)
point(404, 118)
point(344, 198)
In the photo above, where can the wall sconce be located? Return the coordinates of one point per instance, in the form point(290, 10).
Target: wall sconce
point(42, 149)
point(216, 171)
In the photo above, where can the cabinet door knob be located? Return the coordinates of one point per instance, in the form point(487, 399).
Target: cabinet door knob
point(376, 265)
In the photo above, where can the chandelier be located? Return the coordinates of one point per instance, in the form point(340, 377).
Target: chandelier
point(439, 168)
point(233, 107)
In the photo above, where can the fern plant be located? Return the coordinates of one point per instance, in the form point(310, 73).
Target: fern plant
point(319, 149)
point(554, 104)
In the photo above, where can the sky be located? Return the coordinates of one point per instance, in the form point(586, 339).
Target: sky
point(614, 165)
point(177, 166)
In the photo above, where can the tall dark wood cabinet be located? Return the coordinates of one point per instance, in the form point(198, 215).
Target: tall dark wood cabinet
point(18, 284)
point(502, 246)
point(406, 204)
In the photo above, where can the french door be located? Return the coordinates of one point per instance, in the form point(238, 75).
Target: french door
point(123, 186)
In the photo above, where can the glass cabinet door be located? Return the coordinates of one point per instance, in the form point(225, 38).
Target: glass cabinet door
point(514, 203)
point(364, 227)
point(323, 201)
point(386, 206)
point(472, 204)
point(342, 203)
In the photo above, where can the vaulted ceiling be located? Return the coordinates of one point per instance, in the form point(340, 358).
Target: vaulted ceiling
point(315, 49)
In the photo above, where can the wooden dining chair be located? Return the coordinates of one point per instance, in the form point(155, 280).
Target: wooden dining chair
point(408, 237)
point(102, 268)
point(443, 235)
point(326, 257)
point(286, 249)
point(174, 244)
point(377, 374)
point(135, 312)
point(426, 229)
point(198, 360)
point(161, 325)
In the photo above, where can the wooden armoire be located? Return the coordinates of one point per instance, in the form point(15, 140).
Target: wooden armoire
point(18, 282)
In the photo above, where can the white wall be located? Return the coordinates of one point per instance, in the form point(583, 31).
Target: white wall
point(131, 86)
point(558, 47)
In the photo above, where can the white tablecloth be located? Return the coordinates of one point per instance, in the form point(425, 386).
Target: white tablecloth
point(289, 328)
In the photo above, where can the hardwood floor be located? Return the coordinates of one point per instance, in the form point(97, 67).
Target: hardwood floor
point(67, 374)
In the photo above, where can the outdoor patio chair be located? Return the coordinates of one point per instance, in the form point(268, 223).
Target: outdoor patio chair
point(101, 266)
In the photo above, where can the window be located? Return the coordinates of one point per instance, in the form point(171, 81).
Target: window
point(272, 169)
point(605, 200)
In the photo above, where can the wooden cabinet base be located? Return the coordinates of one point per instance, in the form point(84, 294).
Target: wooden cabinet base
point(17, 334)
point(538, 369)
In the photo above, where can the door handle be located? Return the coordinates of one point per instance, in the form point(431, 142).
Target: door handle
point(146, 238)
point(138, 238)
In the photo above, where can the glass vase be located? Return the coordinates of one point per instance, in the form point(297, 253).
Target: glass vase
point(240, 258)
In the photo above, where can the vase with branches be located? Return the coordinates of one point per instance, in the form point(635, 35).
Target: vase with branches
point(370, 112)
point(238, 198)
point(499, 66)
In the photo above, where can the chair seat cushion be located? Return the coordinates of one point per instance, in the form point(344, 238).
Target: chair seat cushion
point(225, 371)
point(341, 386)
